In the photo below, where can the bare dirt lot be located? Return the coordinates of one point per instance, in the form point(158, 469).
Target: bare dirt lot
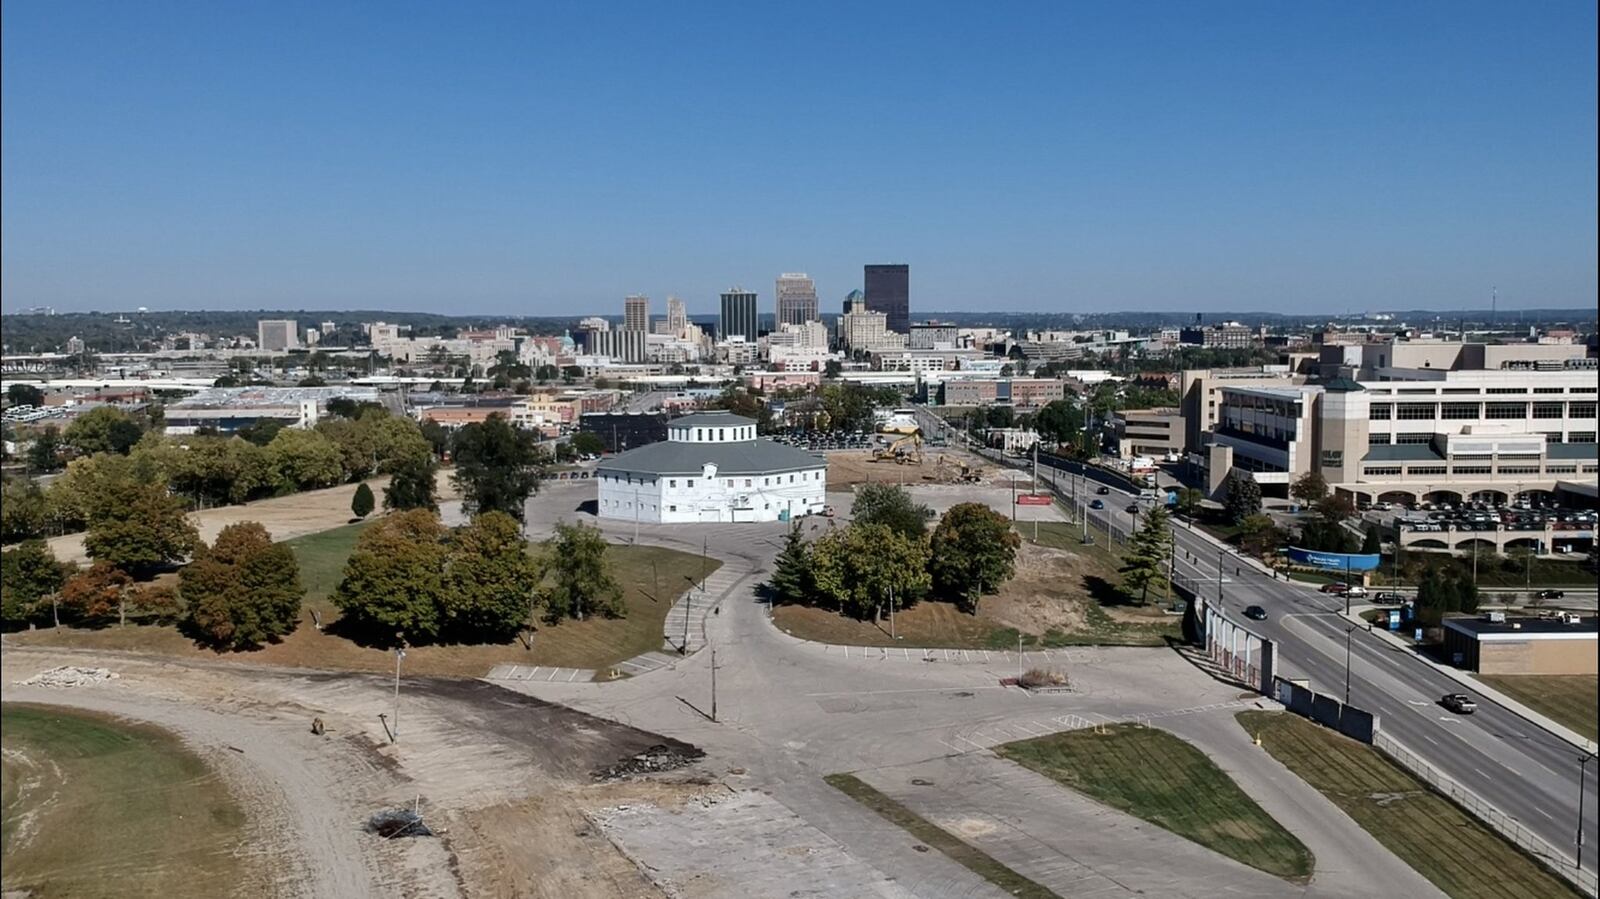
point(504, 778)
point(847, 468)
point(285, 517)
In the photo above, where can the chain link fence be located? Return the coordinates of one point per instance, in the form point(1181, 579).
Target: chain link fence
point(1563, 862)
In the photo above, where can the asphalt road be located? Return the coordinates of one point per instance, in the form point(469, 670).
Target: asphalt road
point(1522, 769)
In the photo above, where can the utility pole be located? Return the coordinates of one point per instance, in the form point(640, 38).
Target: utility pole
point(399, 653)
point(1019, 658)
point(713, 683)
point(1220, 554)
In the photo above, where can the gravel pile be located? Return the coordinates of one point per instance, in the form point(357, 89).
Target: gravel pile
point(70, 676)
point(654, 760)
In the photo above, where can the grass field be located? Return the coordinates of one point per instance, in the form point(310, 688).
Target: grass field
point(1055, 600)
point(594, 643)
point(1158, 777)
point(93, 806)
point(963, 853)
point(1458, 853)
point(1568, 698)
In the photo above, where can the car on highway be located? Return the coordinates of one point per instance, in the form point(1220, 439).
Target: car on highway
point(1549, 594)
point(1104, 491)
point(1460, 703)
point(1133, 509)
point(1097, 504)
point(1255, 613)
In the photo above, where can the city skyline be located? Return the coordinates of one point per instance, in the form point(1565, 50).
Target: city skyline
point(1064, 159)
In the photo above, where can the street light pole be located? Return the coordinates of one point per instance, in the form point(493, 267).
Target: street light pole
point(399, 653)
point(1582, 765)
point(1349, 632)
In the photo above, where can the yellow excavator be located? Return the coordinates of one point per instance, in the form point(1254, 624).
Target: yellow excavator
point(963, 472)
point(902, 450)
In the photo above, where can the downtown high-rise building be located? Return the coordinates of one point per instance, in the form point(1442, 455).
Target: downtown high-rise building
point(855, 301)
point(677, 317)
point(738, 314)
point(797, 299)
point(888, 289)
point(636, 313)
point(277, 334)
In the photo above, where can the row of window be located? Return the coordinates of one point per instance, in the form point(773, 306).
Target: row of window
point(1418, 471)
point(1468, 411)
point(672, 483)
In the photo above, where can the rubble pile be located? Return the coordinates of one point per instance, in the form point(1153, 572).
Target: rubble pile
point(70, 676)
point(653, 760)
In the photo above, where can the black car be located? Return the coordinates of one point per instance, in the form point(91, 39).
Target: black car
point(1133, 509)
point(1549, 594)
point(1255, 613)
point(1104, 491)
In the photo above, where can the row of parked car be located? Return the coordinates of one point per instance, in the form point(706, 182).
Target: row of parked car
point(826, 440)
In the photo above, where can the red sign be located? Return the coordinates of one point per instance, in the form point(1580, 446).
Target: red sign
point(1033, 499)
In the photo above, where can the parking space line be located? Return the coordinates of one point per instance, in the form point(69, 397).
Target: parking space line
point(574, 675)
point(553, 673)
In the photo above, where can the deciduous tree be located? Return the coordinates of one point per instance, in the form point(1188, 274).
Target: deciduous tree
point(973, 552)
point(498, 467)
point(304, 460)
point(29, 573)
point(139, 527)
point(892, 507)
point(1309, 487)
point(489, 579)
point(243, 591)
point(855, 568)
point(91, 596)
point(393, 581)
point(105, 429)
point(583, 584)
point(412, 485)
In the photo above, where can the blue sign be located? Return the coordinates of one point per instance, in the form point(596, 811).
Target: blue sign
point(1335, 561)
point(1394, 619)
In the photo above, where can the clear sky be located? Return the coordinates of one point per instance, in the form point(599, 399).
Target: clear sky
point(551, 157)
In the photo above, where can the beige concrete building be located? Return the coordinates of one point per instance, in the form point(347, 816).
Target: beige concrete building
point(1200, 393)
point(1559, 645)
point(1149, 432)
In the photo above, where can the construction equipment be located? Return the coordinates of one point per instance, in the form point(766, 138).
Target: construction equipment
point(902, 450)
point(963, 472)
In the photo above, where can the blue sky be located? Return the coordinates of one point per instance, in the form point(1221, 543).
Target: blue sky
point(545, 158)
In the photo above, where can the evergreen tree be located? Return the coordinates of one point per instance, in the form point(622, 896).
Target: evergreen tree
point(412, 485)
point(1244, 497)
point(362, 503)
point(791, 572)
point(1145, 564)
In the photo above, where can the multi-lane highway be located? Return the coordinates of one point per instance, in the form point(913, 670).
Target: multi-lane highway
point(1521, 769)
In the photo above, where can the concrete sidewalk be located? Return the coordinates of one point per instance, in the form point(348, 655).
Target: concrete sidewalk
point(1466, 679)
point(1349, 861)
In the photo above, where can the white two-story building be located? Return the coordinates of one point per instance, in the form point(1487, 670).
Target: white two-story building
point(712, 468)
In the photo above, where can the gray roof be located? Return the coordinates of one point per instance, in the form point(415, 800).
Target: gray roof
point(711, 420)
point(1586, 627)
point(1403, 452)
point(742, 457)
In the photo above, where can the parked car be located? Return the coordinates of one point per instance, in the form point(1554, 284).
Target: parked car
point(1335, 588)
point(1097, 504)
point(1549, 594)
point(1388, 596)
point(1460, 703)
point(1355, 590)
point(1255, 613)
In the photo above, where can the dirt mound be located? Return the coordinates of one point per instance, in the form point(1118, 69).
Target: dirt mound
point(70, 676)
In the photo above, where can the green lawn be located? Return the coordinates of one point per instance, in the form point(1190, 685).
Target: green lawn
point(93, 806)
point(1153, 775)
point(963, 853)
point(321, 557)
point(1571, 699)
point(1454, 850)
point(595, 643)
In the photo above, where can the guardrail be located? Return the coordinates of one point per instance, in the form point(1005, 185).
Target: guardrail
point(1561, 862)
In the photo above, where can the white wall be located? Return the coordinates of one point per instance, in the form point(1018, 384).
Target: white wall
point(673, 499)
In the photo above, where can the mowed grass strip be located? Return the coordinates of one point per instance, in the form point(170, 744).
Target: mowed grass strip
point(1445, 844)
point(1571, 699)
point(957, 850)
point(1153, 775)
point(94, 806)
point(594, 643)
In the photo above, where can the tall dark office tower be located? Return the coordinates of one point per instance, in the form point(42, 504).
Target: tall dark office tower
point(888, 289)
point(738, 314)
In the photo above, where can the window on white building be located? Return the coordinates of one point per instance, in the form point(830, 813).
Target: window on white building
point(1505, 410)
point(672, 482)
point(672, 508)
point(691, 482)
